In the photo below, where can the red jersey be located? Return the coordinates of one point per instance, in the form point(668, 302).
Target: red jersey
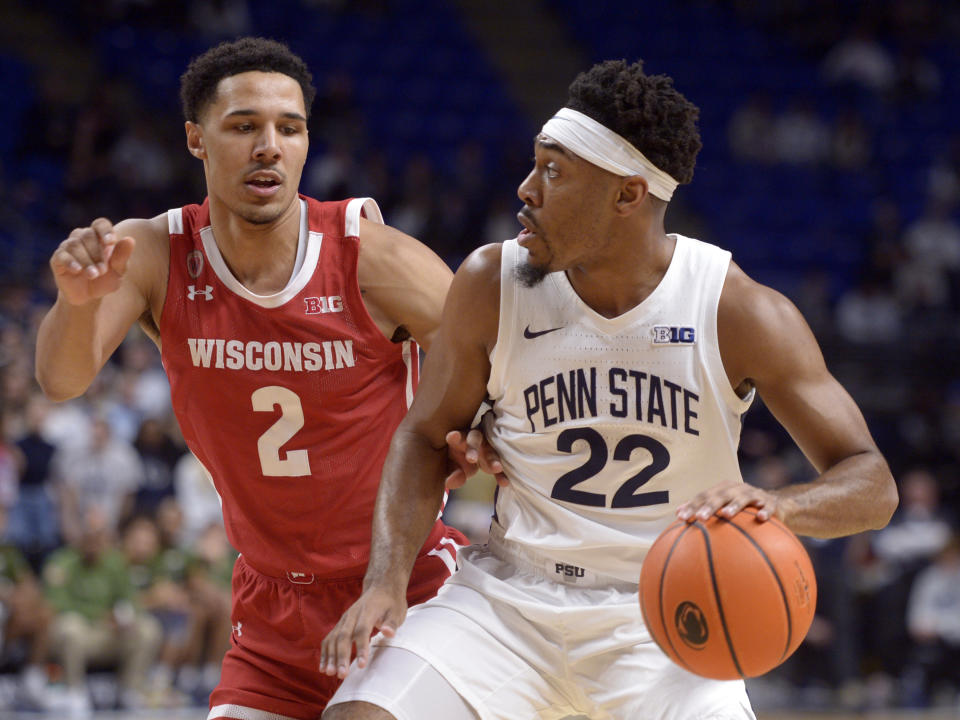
point(289, 400)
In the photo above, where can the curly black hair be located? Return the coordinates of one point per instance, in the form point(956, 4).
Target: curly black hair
point(645, 109)
point(198, 85)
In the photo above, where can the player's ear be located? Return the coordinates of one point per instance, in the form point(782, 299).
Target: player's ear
point(633, 191)
point(195, 140)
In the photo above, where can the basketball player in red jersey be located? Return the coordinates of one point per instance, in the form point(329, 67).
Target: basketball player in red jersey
point(288, 329)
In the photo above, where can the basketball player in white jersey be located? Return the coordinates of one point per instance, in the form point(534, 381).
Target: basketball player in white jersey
point(619, 360)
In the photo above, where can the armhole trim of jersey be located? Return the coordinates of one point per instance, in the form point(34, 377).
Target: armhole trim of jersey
point(175, 221)
point(368, 208)
point(500, 352)
point(738, 405)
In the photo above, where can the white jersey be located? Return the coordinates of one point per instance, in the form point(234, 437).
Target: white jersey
point(606, 425)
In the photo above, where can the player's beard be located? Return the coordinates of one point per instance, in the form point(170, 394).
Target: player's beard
point(264, 217)
point(530, 275)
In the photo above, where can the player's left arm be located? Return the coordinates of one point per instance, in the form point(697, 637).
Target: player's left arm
point(404, 286)
point(404, 283)
point(765, 342)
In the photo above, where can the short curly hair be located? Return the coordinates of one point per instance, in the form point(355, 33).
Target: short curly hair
point(645, 109)
point(198, 85)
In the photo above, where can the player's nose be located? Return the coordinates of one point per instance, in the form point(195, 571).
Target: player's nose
point(528, 190)
point(268, 145)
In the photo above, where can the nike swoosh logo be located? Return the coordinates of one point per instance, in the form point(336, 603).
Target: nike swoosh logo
point(530, 334)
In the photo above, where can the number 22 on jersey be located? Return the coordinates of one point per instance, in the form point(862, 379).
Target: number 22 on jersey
point(626, 495)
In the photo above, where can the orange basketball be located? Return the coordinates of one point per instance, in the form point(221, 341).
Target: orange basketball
point(728, 598)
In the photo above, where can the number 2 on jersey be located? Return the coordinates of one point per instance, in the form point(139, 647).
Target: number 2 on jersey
point(296, 463)
point(626, 495)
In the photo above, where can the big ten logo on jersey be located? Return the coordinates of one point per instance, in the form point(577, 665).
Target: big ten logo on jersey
point(672, 335)
point(330, 304)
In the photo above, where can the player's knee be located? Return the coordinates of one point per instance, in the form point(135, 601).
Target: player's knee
point(356, 710)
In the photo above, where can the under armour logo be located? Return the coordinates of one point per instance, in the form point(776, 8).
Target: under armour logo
point(192, 292)
point(238, 628)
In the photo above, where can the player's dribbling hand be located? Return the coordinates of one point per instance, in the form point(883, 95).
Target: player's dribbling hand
point(726, 500)
point(375, 610)
point(90, 262)
point(471, 452)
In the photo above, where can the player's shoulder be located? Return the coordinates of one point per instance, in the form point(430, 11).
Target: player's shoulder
point(385, 249)
point(748, 305)
point(378, 238)
point(478, 277)
point(483, 264)
point(155, 230)
point(150, 261)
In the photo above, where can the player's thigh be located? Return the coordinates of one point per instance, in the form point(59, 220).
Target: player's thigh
point(404, 687)
point(625, 684)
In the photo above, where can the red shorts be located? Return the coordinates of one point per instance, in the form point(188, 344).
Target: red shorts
point(272, 666)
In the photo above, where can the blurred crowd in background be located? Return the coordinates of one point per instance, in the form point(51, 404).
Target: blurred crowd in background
point(831, 168)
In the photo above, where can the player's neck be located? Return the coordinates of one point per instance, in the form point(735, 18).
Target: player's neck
point(260, 256)
point(627, 275)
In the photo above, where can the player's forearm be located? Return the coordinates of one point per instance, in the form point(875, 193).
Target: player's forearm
point(407, 506)
point(69, 353)
point(855, 495)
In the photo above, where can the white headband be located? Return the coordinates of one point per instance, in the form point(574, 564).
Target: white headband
point(598, 144)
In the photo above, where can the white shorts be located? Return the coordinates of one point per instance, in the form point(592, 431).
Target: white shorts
point(516, 645)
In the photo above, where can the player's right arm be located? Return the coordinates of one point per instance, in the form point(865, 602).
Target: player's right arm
point(106, 275)
point(453, 385)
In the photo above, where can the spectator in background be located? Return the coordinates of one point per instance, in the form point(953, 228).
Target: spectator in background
point(868, 313)
point(158, 577)
point(196, 498)
point(415, 206)
point(335, 173)
point(105, 474)
point(89, 586)
point(139, 161)
point(800, 136)
point(159, 454)
point(170, 523)
point(219, 19)
point(149, 394)
point(501, 220)
point(882, 239)
point(34, 525)
point(860, 59)
point(917, 77)
point(342, 123)
point(944, 176)
point(933, 620)
point(750, 132)
point(208, 578)
point(25, 621)
point(919, 530)
point(11, 464)
point(932, 246)
point(851, 144)
point(98, 125)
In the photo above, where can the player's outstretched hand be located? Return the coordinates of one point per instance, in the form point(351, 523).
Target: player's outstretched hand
point(471, 452)
point(90, 262)
point(375, 610)
point(727, 499)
